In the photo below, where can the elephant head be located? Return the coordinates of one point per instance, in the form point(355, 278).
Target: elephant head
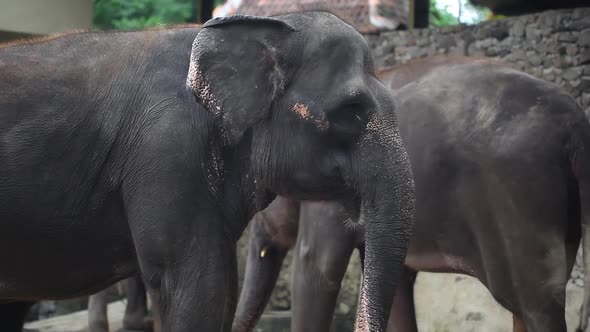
point(301, 90)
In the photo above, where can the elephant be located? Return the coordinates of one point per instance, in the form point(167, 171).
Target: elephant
point(500, 164)
point(136, 316)
point(148, 152)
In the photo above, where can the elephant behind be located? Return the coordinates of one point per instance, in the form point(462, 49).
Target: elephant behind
point(501, 163)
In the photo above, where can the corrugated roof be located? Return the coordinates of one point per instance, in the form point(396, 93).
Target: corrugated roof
point(366, 16)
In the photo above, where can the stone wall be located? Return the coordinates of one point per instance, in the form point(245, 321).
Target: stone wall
point(553, 45)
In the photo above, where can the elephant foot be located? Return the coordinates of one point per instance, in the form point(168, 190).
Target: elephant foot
point(134, 323)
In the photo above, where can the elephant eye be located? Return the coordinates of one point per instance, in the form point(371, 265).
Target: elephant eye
point(348, 121)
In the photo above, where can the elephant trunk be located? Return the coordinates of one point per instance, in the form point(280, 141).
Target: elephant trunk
point(387, 209)
point(272, 235)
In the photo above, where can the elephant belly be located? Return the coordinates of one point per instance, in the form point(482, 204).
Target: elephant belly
point(64, 257)
point(439, 262)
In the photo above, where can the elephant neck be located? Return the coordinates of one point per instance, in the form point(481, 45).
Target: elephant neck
point(242, 195)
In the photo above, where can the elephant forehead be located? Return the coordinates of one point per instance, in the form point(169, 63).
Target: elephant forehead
point(339, 47)
point(326, 35)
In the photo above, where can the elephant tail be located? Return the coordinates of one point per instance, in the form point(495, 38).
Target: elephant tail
point(579, 156)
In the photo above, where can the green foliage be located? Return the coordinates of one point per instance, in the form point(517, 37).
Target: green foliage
point(440, 16)
point(137, 14)
point(480, 13)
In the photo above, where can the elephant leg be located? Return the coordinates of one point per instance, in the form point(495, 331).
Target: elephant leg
point(539, 292)
point(525, 257)
point(322, 252)
point(197, 291)
point(186, 253)
point(517, 324)
point(155, 317)
point(402, 317)
point(97, 312)
point(136, 311)
point(12, 315)
point(549, 319)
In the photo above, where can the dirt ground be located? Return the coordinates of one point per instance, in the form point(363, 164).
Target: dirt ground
point(455, 302)
point(444, 303)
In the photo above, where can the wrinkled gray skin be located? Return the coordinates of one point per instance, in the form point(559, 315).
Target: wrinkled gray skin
point(501, 164)
point(136, 311)
point(148, 152)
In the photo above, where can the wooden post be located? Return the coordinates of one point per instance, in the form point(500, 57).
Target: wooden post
point(411, 15)
point(206, 10)
point(421, 13)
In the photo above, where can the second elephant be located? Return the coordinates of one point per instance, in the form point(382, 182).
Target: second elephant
point(501, 164)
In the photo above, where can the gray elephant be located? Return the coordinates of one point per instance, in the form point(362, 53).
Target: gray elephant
point(149, 151)
point(501, 167)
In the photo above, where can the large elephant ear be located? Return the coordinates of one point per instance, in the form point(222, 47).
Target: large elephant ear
point(235, 69)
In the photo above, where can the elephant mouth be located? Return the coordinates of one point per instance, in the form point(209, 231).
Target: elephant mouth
point(352, 208)
point(312, 189)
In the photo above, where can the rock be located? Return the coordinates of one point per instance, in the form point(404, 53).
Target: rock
point(503, 52)
point(499, 32)
point(485, 43)
point(564, 61)
point(533, 32)
point(491, 52)
point(518, 29)
point(548, 74)
point(549, 23)
point(534, 59)
point(575, 84)
point(584, 38)
point(572, 73)
point(516, 55)
point(567, 37)
point(537, 72)
point(476, 316)
point(571, 50)
point(416, 52)
point(585, 56)
point(580, 24)
point(581, 13)
point(389, 60)
point(447, 42)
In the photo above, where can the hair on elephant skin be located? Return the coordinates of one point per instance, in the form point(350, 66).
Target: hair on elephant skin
point(500, 161)
point(149, 151)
